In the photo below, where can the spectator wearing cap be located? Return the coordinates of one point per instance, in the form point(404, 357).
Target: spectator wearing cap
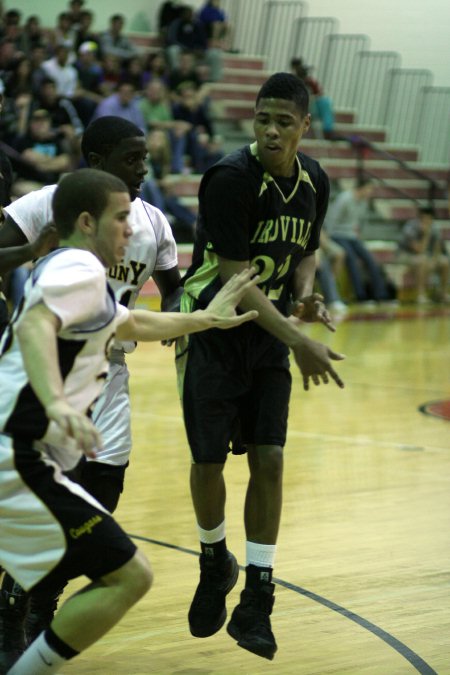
point(90, 71)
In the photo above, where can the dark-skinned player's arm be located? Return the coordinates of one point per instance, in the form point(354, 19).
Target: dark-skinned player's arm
point(313, 358)
point(307, 305)
point(15, 249)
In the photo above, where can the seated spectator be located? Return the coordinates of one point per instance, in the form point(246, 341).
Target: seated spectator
point(344, 223)
point(186, 73)
point(12, 30)
point(65, 76)
point(157, 111)
point(330, 260)
point(18, 98)
point(422, 248)
point(202, 145)
point(42, 150)
point(84, 32)
point(123, 103)
point(90, 71)
point(114, 42)
point(133, 71)
point(32, 35)
point(159, 191)
point(156, 67)
point(168, 12)
point(111, 73)
point(216, 24)
point(75, 12)
point(321, 105)
point(64, 34)
point(188, 33)
point(63, 114)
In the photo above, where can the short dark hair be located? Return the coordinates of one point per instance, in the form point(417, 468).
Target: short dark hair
point(288, 87)
point(83, 190)
point(104, 133)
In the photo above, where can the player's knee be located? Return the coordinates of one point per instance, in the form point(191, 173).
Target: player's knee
point(268, 462)
point(138, 578)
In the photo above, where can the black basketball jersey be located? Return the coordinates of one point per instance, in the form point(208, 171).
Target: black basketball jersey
point(247, 214)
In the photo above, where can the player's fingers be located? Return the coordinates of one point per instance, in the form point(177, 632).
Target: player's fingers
point(324, 378)
point(335, 356)
point(336, 378)
point(315, 379)
point(305, 382)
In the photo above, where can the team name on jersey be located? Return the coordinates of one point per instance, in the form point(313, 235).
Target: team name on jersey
point(285, 228)
point(129, 272)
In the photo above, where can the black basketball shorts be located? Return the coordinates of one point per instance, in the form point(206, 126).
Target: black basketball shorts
point(235, 387)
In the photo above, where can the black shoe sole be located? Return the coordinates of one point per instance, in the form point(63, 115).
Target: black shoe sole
point(261, 648)
point(212, 630)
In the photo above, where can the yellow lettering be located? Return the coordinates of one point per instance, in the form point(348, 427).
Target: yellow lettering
point(294, 230)
point(303, 237)
point(258, 230)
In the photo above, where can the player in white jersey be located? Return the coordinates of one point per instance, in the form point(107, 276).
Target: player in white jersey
point(118, 147)
point(53, 358)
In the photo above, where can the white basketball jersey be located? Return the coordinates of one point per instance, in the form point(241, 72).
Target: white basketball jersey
point(72, 284)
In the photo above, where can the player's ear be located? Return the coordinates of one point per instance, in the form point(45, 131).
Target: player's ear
point(94, 160)
point(86, 223)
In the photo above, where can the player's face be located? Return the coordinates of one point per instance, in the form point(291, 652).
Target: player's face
point(127, 161)
point(278, 127)
point(112, 230)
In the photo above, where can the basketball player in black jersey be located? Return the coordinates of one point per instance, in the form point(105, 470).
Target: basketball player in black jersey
point(263, 205)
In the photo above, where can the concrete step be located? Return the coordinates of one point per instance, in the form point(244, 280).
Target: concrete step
point(404, 209)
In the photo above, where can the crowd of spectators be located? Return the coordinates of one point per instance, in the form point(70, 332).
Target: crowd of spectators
point(56, 79)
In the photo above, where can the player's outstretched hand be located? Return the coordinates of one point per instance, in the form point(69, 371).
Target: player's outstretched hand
point(222, 308)
point(314, 360)
point(312, 308)
point(76, 426)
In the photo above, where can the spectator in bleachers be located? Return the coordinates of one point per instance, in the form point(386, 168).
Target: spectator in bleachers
point(63, 114)
point(133, 71)
point(321, 105)
point(330, 261)
point(90, 71)
point(168, 12)
point(157, 190)
point(123, 103)
point(216, 24)
point(188, 33)
point(32, 35)
point(18, 97)
point(42, 149)
point(114, 42)
point(156, 67)
point(203, 146)
point(11, 29)
point(75, 12)
point(64, 34)
point(186, 73)
point(61, 71)
point(345, 221)
point(422, 248)
point(111, 73)
point(157, 111)
point(84, 31)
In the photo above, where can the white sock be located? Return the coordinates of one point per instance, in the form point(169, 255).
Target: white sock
point(38, 659)
point(211, 536)
point(260, 555)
